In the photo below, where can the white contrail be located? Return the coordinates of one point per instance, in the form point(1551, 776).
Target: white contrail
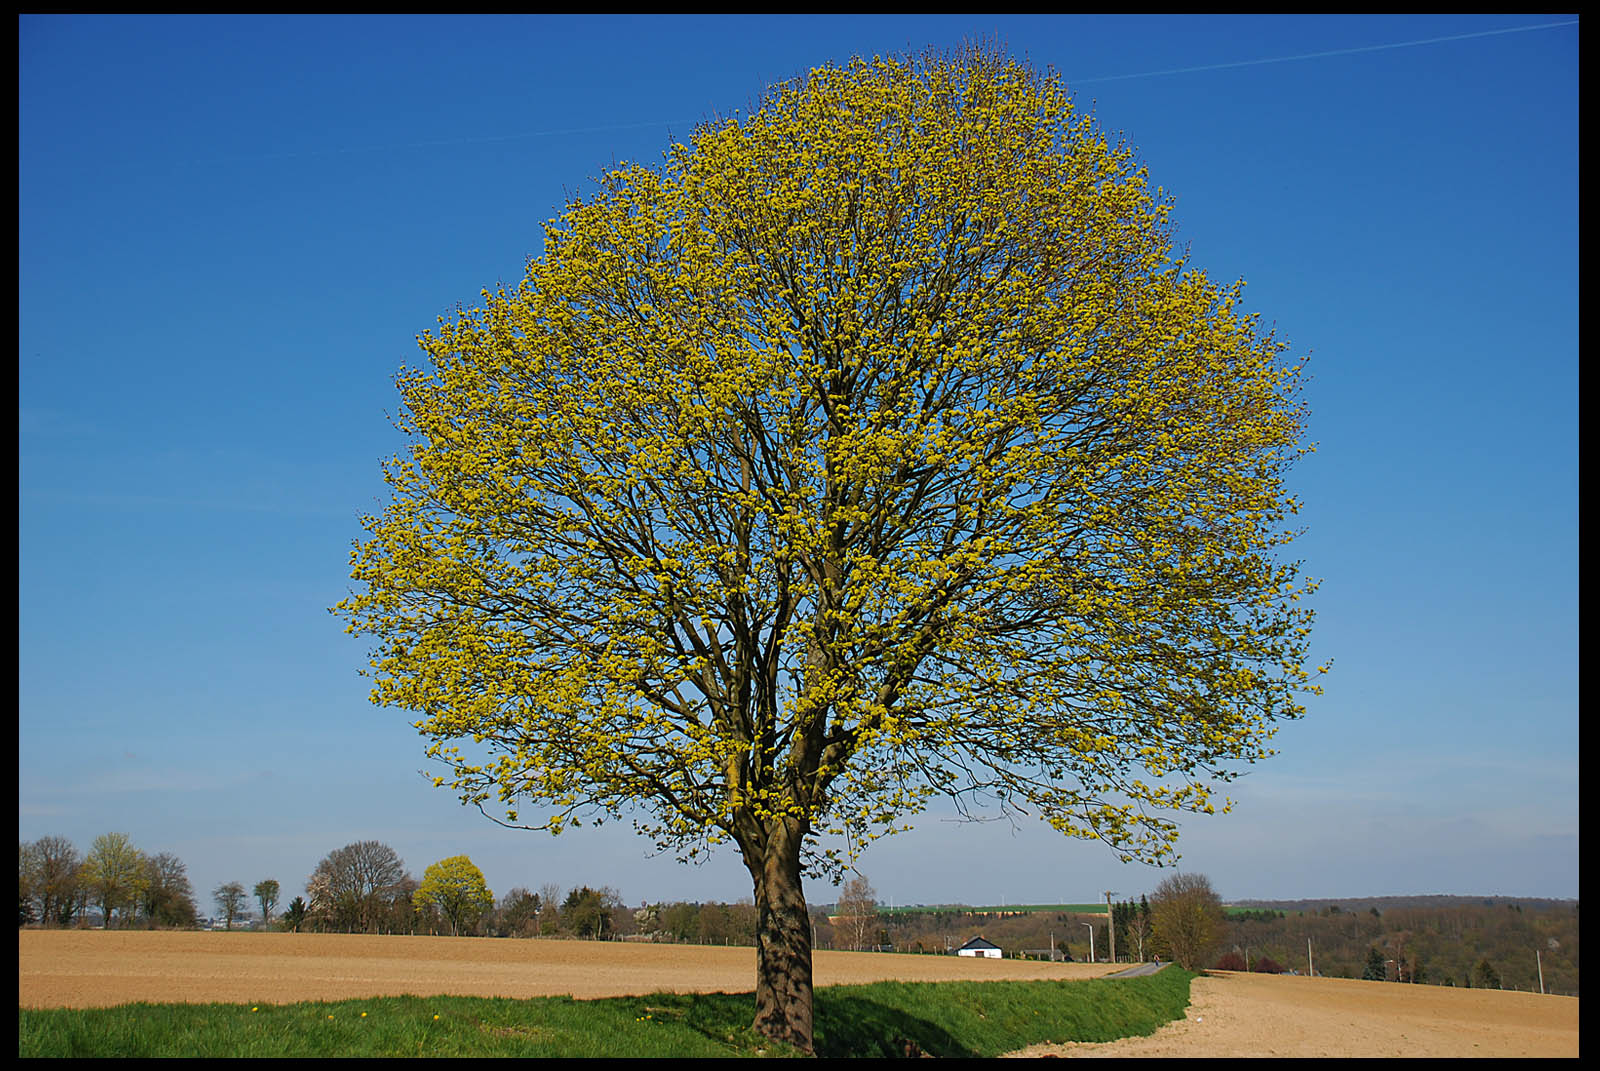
point(1330, 52)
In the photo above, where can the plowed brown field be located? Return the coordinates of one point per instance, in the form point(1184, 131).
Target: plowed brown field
point(1229, 1014)
point(88, 968)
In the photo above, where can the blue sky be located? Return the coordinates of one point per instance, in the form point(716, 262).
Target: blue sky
point(232, 230)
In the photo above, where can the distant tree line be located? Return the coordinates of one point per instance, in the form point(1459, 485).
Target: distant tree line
point(127, 888)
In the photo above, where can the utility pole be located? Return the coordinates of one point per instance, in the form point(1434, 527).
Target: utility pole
point(1310, 970)
point(1111, 926)
point(1537, 958)
point(1090, 927)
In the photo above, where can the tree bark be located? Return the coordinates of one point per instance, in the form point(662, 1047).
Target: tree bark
point(783, 939)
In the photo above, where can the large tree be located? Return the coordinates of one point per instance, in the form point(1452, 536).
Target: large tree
point(875, 446)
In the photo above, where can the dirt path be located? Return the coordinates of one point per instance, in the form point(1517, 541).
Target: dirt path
point(1278, 1015)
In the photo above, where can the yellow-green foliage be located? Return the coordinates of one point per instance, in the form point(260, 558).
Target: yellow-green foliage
point(457, 888)
point(873, 446)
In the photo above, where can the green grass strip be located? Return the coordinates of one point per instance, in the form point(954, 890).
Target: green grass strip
point(884, 1019)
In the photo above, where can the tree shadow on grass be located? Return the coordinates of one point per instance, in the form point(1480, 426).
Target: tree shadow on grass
point(847, 1024)
point(852, 1025)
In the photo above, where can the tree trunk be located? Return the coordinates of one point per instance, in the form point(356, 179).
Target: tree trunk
point(783, 939)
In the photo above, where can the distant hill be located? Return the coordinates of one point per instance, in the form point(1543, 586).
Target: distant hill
point(1510, 942)
point(992, 909)
point(1385, 903)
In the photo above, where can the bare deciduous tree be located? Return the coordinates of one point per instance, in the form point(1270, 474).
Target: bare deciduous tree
point(1186, 915)
point(858, 910)
point(354, 886)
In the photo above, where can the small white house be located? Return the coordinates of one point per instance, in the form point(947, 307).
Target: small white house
point(979, 947)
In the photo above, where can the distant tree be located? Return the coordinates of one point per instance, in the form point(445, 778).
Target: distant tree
point(858, 910)
point(294, 916)
point(230, 897)
point(1122, 915)
point(114, 871)
point(1231, 960)
point(647, 920)
point(266, 894)
point(356, 887)
point(550, 911)
point(1139, 928)
point(1267, 965)
point(517, 914)
point(457, 888)
point(1484, 976)
point(743, 920)
point(1375, 970)
point(1186, 915)
point(587, 912)
point(398, 913)
point(682, 920)
point(25, 893)
point(167, 898)
point(712, 925)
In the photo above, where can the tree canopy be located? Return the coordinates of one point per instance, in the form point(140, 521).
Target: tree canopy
point(873, 447)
